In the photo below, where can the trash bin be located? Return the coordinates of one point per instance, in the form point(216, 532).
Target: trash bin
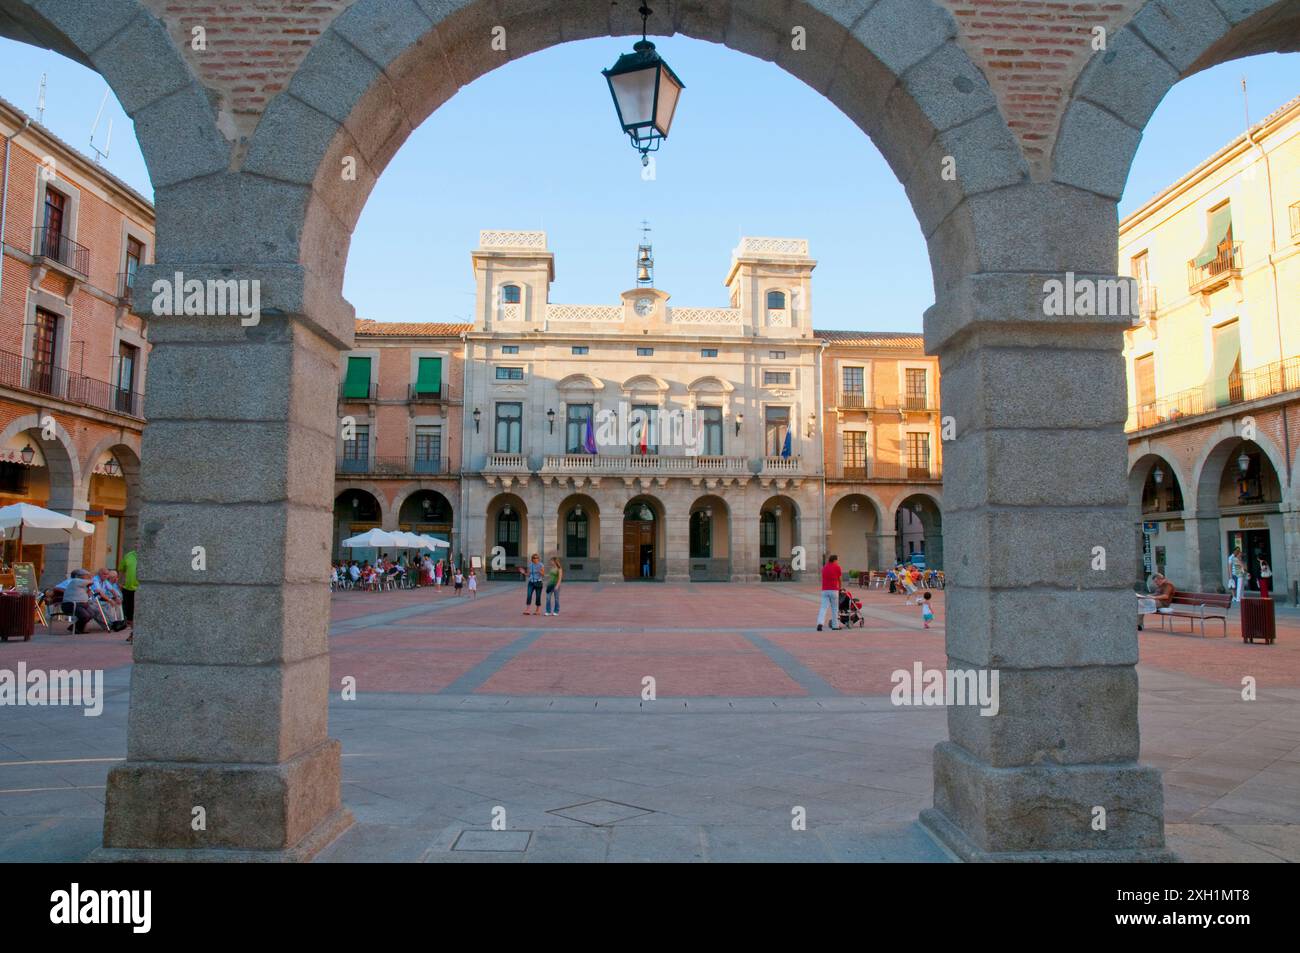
point(1257, 620)
point(17, 616)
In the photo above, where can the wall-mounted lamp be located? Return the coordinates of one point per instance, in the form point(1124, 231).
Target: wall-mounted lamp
point(1158, 475)
point(477, 414)
point(853, 507)
point(550, 419)
point(1243, 461)
point(28, 454)
point(577, 509)
point(740, 419)
point(505, 510)
point(776, 511)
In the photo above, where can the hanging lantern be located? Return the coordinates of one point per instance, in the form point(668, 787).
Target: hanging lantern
point(1158, 475)
point(1243, 462)
point(645, 92)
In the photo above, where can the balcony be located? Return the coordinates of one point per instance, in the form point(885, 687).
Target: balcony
point(52, 245)
point(372, 393)
point(1148, 304)
point(1225, 266)
point(23, 373)
point(856, 401)
point(643, 463)
point(1280, 377)
point(393, 466)
point(893, 472)
point(782, 465)
point(506, 462)
point(897, 403)
point(424, 395)
point(125, 283)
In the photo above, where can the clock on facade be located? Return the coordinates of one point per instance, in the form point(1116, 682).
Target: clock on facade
point(644, 306)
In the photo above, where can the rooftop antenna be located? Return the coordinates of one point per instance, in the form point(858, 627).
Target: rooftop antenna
point(40, 101)
point(101, 154)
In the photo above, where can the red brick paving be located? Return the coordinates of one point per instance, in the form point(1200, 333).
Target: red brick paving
point(691, 638)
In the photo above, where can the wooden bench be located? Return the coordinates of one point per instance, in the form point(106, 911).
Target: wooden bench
point(1197, 607)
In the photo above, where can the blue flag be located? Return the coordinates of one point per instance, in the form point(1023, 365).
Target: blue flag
point(785, 450)
point(589, 441)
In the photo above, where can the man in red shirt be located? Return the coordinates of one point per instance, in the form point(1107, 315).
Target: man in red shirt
point(832, 576)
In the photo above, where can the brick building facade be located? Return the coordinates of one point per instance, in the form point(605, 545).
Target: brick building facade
point(72, 355)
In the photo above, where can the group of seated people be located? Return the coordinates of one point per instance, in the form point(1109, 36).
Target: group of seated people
point(85, 598)
point(383, 573)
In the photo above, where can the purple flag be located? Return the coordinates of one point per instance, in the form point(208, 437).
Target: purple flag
point(589, 442)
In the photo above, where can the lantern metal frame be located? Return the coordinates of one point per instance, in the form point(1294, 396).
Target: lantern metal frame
point(646, 136)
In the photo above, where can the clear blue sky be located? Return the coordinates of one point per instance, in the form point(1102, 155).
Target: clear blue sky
point(535, 145)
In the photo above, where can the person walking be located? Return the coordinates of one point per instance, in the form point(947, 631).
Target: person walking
point(1239, 573)
point(472, 584)
point(832, 579)
point(1265, 579)
point(534, 576)
point(554, 576)
point(437, 574)
point(127, 567)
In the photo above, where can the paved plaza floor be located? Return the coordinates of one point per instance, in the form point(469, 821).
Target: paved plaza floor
point(469, 715)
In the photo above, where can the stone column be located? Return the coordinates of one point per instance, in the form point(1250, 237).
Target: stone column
point(1289, 546)
point(677, 535)
point(612, 494)
point(744, 504)
point(230, 689)
point(886, 550)
point(1206, 561)
point(1039, 585)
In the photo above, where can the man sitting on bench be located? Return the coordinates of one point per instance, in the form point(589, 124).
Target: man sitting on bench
point(1161, 596)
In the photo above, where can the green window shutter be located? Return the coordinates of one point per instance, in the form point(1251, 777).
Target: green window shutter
point(1227, 354)
point(429, 377)
point(357, 382)
point(1220, 225)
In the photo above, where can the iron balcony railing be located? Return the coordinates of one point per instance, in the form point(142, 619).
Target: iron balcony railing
point(125, 284)
point(1279, 377)
point(1224, 266)
point(393, 466)
point(23, 373)
point(415, 392)
point(893, 472)
point(53, 244)
point(891, 402)
point(372, 392)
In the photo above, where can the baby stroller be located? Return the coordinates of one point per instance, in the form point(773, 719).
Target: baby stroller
point(851, 610)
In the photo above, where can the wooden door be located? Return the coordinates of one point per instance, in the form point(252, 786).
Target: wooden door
point(631, 549)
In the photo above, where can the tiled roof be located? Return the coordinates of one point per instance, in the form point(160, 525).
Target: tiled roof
point(411, 329)
point(888, 340)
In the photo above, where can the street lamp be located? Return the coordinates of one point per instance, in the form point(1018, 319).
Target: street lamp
point(1158, 475)
point(112, 467)
point(477, 414)
point(645, 92)
point(550, 419)
point(740, 419)
point(853, 507)
point(1243, 462)
point(28, 454)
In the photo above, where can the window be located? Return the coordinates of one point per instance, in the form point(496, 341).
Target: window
point(508, 532)
point(1227, 364)
point(701, 535)
point(1141, 271)
point(509, 348)
point(580, 349)
point(766, 535)
point(642, 428)
point(708, 352)
point(1144, 376)
point(45, 348)
point(853, 392)
point(55, 206)
point(510, 373)
point(645, 351)
point(575, 430)
point(356, 452)
point(356, 385)
point(711, 427)
point(918, 455)
point(776, 355)
point(13, 478)
point(776, 378)
point(575, 534)
point(510, 422)
point(776, 301)
point(855, 454)
point(776, 429)
point(127, 355)
point(428, 449)
point(915, 383)
point(510, 294)
point(428, 377)
point(134, 259)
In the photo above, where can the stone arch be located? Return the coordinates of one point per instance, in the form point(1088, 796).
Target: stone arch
point(67, 493)
point(386, 511)
point(406, 510)
point(1121, 86)
point(856, 531)
point(495, 510)
point(577, 563)
point(128, 46)
point(931, 519)
point(710, 516)
point(778, 513)
point(658, 554)
point(1141, 465)
point(1214, 456)
point(369, 500)
point(379, 70)
point(125, 447)
point(580, 382)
